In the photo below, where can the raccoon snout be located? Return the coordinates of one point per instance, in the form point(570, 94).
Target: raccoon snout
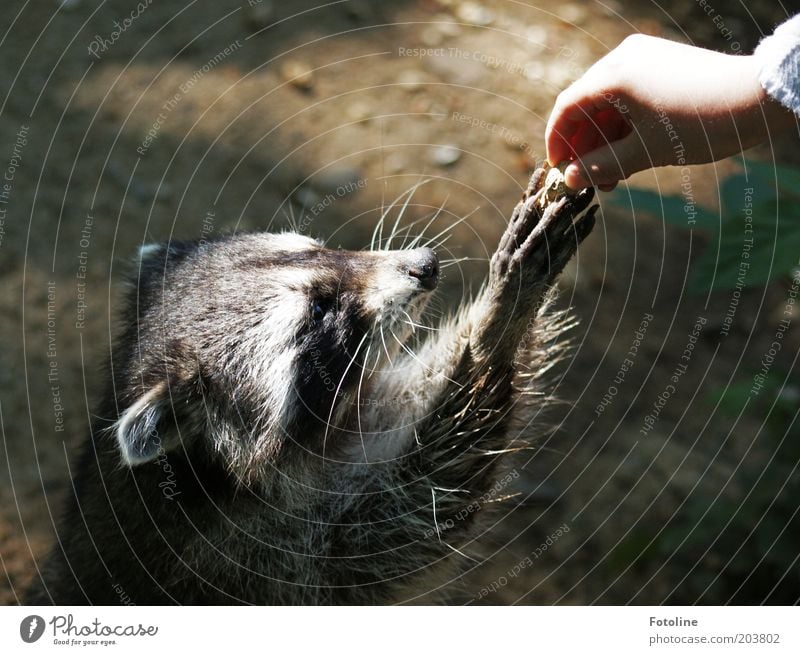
point(424, 266)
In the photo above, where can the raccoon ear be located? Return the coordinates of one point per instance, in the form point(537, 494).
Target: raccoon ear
point(147, 250)
point(144, 430)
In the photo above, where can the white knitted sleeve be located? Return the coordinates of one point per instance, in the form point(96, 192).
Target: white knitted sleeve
point(779, 57)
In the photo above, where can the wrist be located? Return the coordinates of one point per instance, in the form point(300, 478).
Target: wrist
point(757, 114)
point(777, 59)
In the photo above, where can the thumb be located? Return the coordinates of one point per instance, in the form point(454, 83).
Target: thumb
point(609, 163)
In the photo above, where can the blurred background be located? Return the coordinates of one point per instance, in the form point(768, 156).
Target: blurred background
point(124, 124)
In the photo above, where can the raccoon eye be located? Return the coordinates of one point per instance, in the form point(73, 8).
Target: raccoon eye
point(317, 311)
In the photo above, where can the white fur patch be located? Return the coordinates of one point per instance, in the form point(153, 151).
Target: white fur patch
point(389, 290)
point(148, 249)
point(272, 351)
point(294, 241)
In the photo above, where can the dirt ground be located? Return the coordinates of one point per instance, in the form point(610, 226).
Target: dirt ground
point(182, 120)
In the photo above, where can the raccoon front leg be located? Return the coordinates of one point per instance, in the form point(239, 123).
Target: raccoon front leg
point(467, 427)
point(541, 237)
point(427, 499)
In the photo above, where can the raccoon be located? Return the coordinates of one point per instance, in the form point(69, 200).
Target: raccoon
point(269, 436)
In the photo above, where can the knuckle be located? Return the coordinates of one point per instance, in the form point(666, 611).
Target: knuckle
point(562, 99)
point(634, 40)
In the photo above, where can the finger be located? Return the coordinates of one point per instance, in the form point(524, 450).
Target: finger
point(585, 223)
point(569, 110)
point(573, 111)
point(608, 164)
point(557, 142)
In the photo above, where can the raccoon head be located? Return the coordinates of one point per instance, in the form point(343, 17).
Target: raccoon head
point(247, 346)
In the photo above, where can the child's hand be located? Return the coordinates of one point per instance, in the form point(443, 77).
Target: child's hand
point(652, 102)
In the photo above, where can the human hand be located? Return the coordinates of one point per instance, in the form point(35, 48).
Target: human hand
point(653, 102)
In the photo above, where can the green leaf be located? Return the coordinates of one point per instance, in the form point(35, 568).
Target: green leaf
point(769, 175)
point(727, 263)
point(674, 210)
point(767, 193)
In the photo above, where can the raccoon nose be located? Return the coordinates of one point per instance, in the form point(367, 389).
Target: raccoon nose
point(425, 267)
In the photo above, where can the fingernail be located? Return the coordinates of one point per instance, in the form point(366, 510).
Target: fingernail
point(575, 177)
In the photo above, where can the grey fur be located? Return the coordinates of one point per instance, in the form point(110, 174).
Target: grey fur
point(228, 469)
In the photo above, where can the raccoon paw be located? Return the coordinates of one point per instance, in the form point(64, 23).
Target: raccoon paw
point(543, 233)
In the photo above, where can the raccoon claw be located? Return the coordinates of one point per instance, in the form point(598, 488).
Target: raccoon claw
point(543, 233)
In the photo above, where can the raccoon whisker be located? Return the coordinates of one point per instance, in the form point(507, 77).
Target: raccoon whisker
point(386, 350)
point(436, 312)
point(414, 356)
point(378, 226)
point(456, 550)
point(414, 325)
point(502, 499)
point(297, 218)
point(438, 244)
point(435, 521)
point(418, 238)
point(450, 227)
point(452, 491)
point(417, 325)
point(403, 211)
point(336, 393)
point(410, 321)
point(383, 211)
point(374, 366)
point(406, 229)
point(290, 218)
point(443, 263)
point(377, 233)
point(358, 405)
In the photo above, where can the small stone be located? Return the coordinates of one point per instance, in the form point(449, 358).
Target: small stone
point(512, 140)
point(535, 71)
point(358, 11)
point(438, 112)
point(359, 111)
point(572, 14)
point(446, 25)
point(431, 36)
point(475, 14)
point(259, 15)
point(536, 36)
point(455, 103)
point(456, 70)
point(421, 105)
point(445, 155)
point(410, 80)
point(298, 74)
point(611, 8)
point(394, 163)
